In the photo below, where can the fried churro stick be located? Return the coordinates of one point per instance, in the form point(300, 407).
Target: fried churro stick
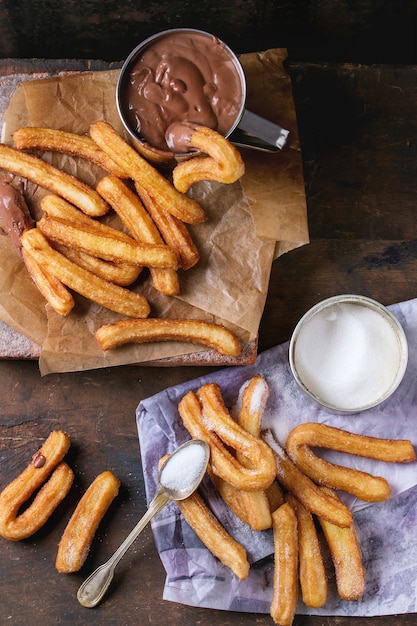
point(106, 246)
point(79, 533)
point(47, 471)
point(209, 530)
point(224, 163)
point(361, 484)
point(213, 336)
point(285, 592)
point(51, 178)
point(141, 226)
point(252, 507)
point(346, 555)
point(205, 417)
point(313, 579)
point(253, 398)
point(174, 232)
point(302, 487)
point(146, 175)
point(52, 289)
point(83, 282)
point(34, 138)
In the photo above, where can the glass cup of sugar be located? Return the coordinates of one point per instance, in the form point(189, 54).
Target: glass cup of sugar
point(348, 353)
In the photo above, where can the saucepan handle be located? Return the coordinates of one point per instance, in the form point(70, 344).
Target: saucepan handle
point(254, 131)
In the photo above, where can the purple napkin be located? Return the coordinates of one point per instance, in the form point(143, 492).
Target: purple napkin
point(387, 531)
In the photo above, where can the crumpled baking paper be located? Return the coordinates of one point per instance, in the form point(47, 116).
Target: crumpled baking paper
point(387, 531)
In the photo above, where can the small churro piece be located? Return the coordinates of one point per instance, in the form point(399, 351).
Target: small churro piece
point(313, 579)
point(86, 283)
point(47, 472)
point(209, 530)
point(146, 175)
point(285, 592)
point(361, 484)
point(79, 533)
point(213, 336)
point(106, 246)
point(223, 164)
point(252, 400)
point(141, 226)
point(303, 488)
point(205, 417)
point(346, 555)
point(51, 178)
point(50, 139)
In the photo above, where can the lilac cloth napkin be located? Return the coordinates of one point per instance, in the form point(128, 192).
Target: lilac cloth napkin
point(387, 531)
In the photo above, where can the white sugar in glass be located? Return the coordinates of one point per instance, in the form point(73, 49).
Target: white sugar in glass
point(348, 353)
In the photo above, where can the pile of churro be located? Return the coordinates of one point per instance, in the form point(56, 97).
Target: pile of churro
point(291, 490)
point(70, 248)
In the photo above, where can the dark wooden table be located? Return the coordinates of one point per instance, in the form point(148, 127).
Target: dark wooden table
point(358, 128)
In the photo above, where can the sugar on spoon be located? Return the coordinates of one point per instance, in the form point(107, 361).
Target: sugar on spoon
point(178, 477)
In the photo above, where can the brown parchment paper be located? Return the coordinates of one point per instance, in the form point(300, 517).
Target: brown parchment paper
point(245, 230)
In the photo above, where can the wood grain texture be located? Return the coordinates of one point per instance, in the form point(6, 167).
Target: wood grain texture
point(358, 32)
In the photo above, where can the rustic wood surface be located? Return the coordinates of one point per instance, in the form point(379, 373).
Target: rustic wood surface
point(357, 127)
point(360, 32)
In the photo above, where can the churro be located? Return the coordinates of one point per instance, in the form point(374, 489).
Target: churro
point(78, 535)
point(312, 574)
point(285, 589)
point(223, 164)
point(210, 335)
point(361, 484)
point(303, 488)
point(346, 555)
point(48, 472)
point(51, 178)
point(252, 507)
point(209, 530)
point(53, 140)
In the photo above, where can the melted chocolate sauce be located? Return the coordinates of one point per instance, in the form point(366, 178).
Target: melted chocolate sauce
point(14, 214)
point(183, 80)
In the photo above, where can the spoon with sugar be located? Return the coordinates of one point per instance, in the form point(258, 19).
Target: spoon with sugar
point(178, 477)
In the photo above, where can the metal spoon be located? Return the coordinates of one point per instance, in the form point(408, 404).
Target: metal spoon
point(95, 586)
